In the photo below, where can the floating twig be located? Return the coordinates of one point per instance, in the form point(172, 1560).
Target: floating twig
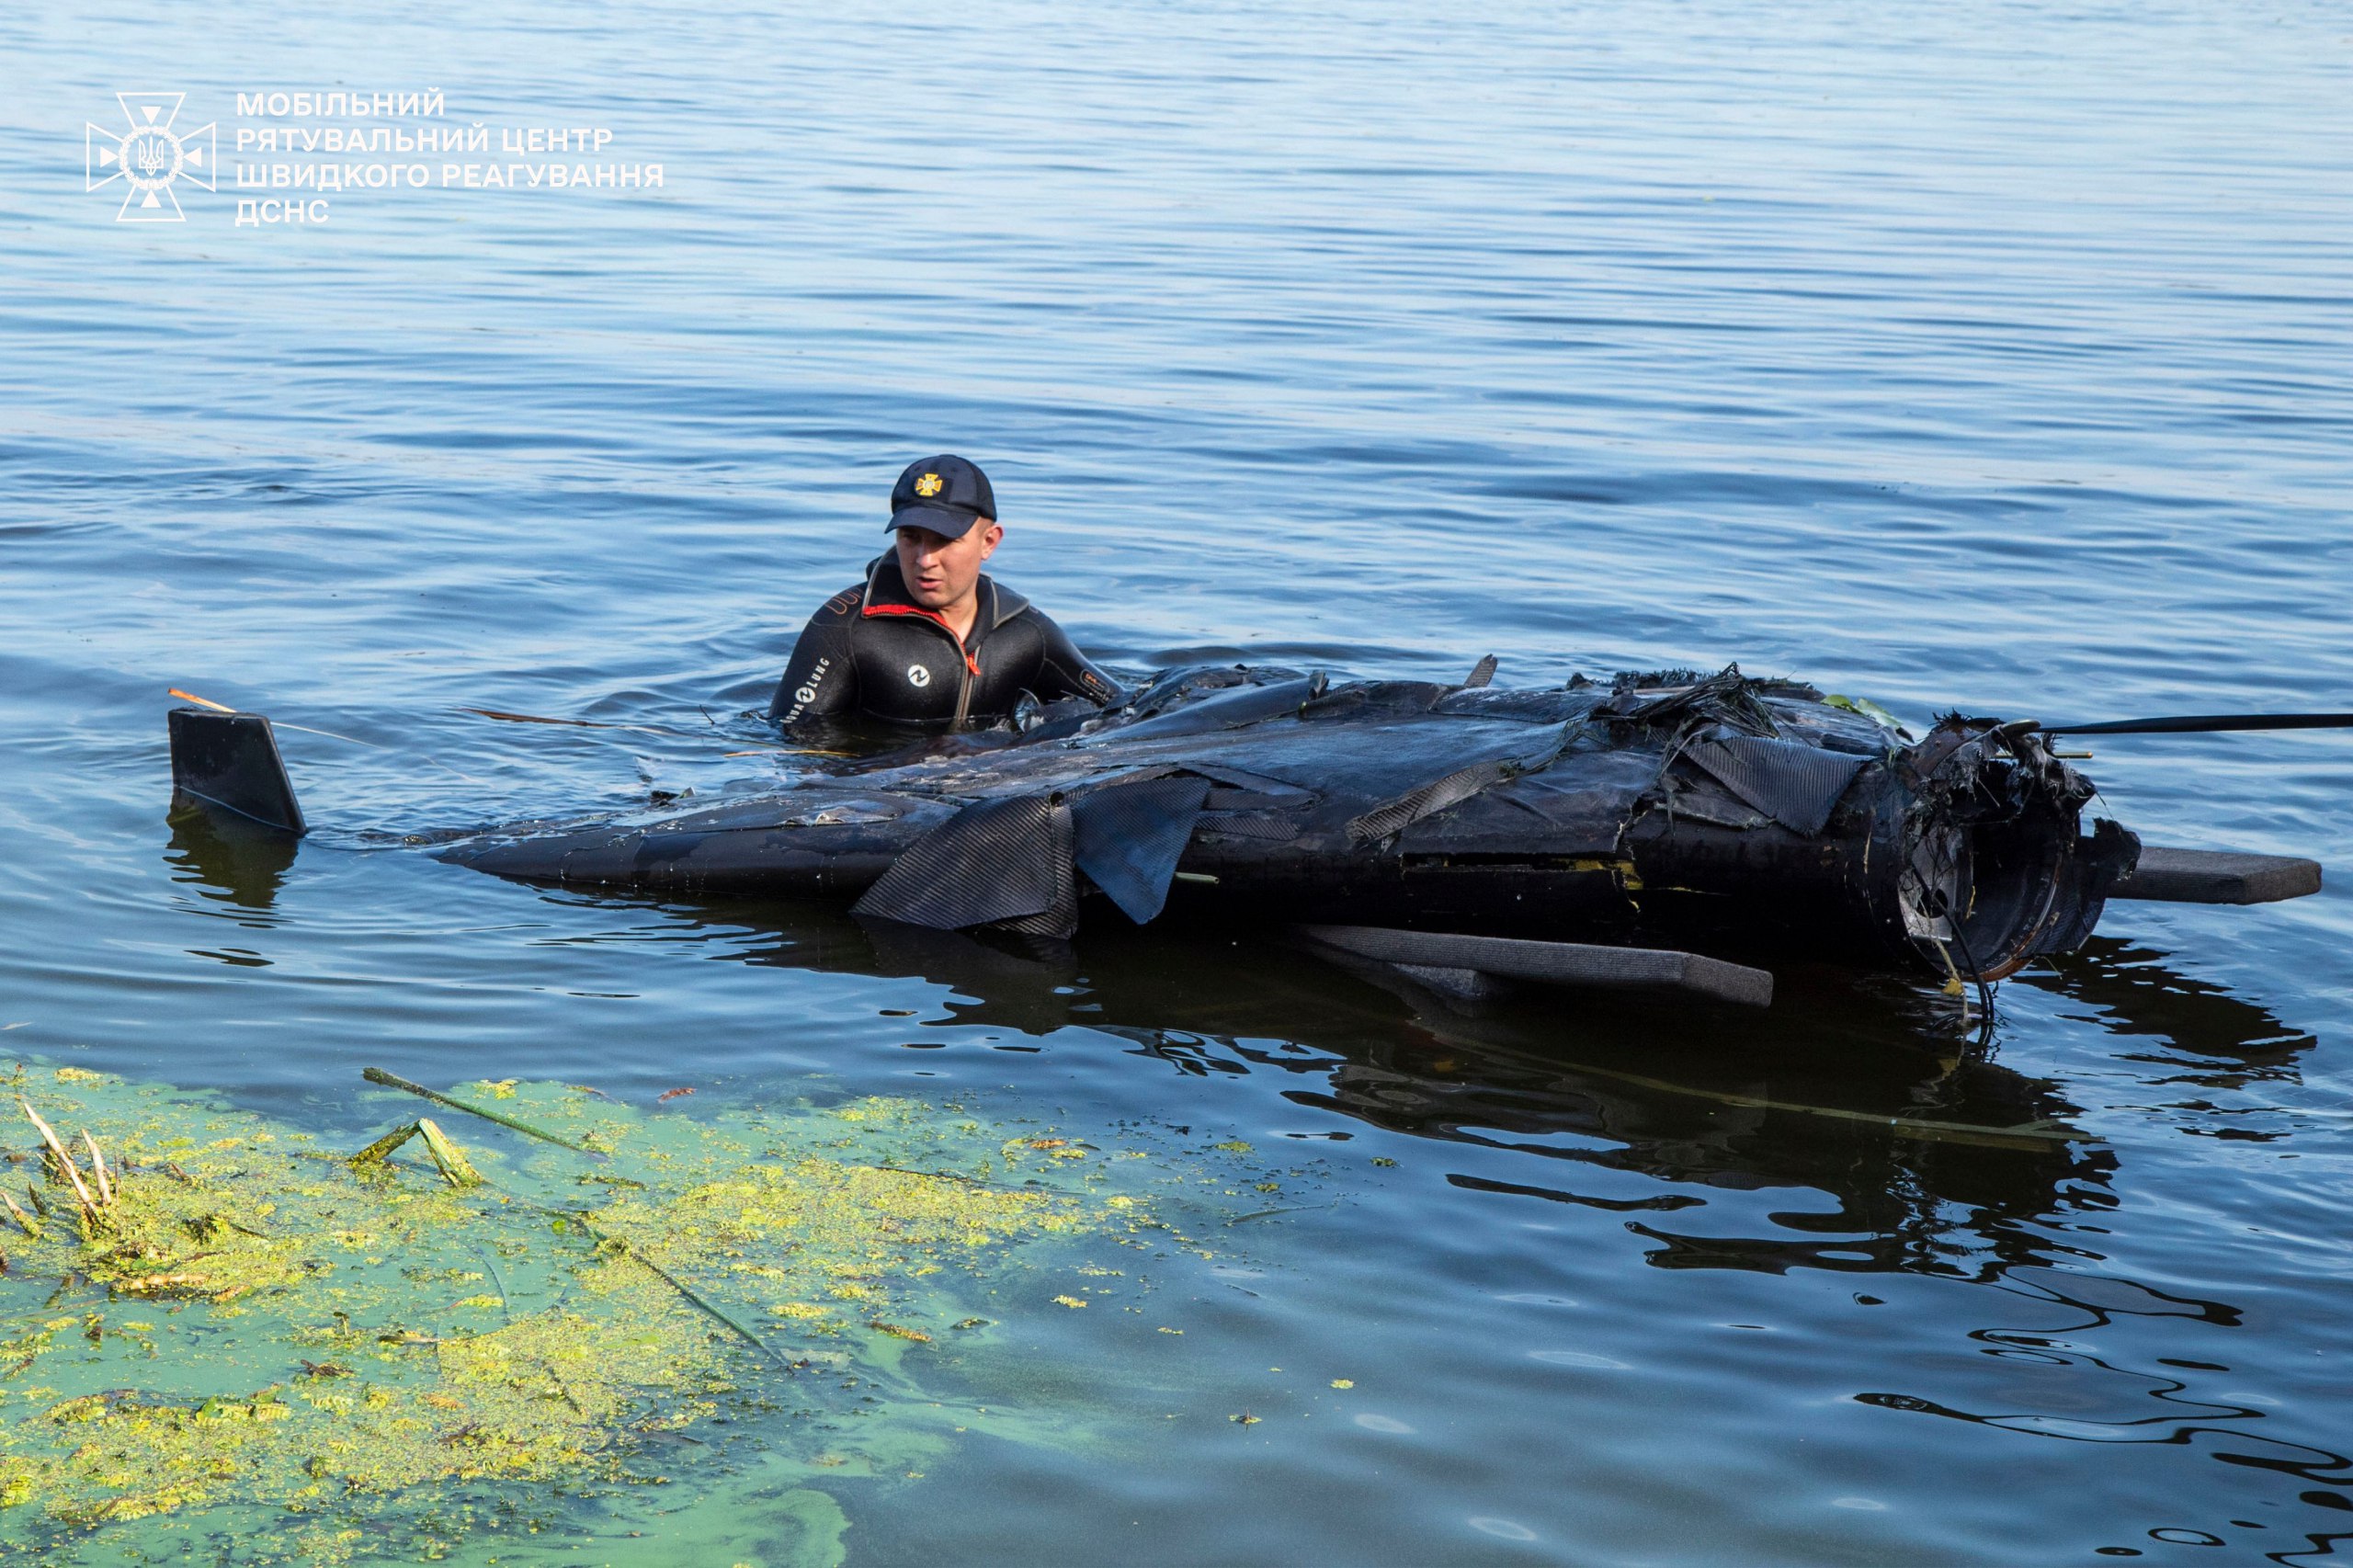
point(1028, 1186)
point(623, 1244)
point(382, 1149)
point(98, 1169)
point(498, 1278)
point(1292, 1209)
point(507, 718)
point(393, 1081)
point(176, 1284)
point(447, 1158)
point(787, 751)
point(23, 1219)
point(73, 1171)
point(386, 1145)
point(450, 1159)
point(2030, 1134)
point(538, 718)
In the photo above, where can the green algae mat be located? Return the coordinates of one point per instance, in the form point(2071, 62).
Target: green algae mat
point(223, 1338)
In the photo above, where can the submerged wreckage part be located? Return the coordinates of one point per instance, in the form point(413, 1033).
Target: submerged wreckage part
point(1716, 813)
point(1721, 814)
point(229, 762)
point(2218, 876)
point(1464, 965)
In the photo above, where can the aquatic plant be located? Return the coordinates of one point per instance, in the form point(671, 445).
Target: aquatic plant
point(251, 1318)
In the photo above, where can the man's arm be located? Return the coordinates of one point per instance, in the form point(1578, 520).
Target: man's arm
point(1064, 671)
point(821, 681)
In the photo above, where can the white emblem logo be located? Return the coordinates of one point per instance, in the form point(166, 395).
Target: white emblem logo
point(148, 157)
point(918, 676)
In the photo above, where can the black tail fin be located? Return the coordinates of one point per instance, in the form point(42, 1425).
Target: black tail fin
point(230, 762)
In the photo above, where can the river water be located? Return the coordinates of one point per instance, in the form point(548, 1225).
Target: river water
point(1992, 357)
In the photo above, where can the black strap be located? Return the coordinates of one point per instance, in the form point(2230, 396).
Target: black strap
point(2203, 723)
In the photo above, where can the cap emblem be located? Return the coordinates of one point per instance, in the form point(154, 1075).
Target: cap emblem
point(929, 486)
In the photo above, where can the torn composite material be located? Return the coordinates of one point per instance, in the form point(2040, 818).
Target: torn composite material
point(1716, 812)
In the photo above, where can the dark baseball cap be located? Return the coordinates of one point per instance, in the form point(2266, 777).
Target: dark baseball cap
point(944, 494)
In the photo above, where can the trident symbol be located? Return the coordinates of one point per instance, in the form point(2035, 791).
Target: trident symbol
point(149, 157)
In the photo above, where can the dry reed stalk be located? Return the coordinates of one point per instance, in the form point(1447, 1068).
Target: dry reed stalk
point(392, 1081)
point(376, 1153)
point(98, 1169)
point(73, 1171)
point(448, 1156)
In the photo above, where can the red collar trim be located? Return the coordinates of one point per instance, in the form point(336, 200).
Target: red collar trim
point(937, 620)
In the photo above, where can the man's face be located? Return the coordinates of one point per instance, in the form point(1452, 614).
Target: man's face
point(939, 570)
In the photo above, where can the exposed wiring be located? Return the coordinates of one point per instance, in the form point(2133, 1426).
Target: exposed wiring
point(1984, 990)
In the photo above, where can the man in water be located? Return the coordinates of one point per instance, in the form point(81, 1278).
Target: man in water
point(927, 639)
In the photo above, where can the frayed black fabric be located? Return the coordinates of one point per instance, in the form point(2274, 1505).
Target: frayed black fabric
point(1001, 862)
point(1129, 837)
point(1393, 817)
point(1797, 786)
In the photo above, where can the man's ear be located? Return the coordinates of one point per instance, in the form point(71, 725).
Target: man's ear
point(991, 540)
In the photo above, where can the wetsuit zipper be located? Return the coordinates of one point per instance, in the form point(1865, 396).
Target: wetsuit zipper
point(968, 667)
point(971, 671)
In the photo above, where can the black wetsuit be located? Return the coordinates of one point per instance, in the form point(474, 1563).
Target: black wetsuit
point(873, 651)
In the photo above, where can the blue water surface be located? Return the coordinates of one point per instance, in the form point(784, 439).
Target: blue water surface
point(1997, 358)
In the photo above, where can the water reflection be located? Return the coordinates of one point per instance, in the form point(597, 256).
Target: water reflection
point(1850, 1136)
point(2133, 992)
point(1939, 1159)
point(226, 861)
point(1940, 1166)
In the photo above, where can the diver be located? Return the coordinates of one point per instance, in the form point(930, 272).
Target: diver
point(927, 639)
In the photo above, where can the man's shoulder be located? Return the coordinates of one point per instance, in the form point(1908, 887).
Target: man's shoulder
point(1009, 605)
point(843, 606)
